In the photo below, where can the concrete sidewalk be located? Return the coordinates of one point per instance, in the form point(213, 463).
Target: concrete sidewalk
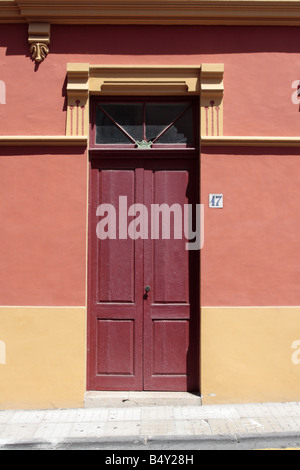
point(160, 427)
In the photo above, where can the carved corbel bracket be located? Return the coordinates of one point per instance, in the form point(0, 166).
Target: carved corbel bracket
point(212, 91)
point(39, 40)
point(78, 99)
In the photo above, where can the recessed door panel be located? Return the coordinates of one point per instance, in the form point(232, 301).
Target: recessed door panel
point(170, 259)
point(116, 282)
point(167, 336)
point(111, 359)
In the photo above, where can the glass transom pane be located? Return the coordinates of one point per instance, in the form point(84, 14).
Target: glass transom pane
point(113, 119)
point(144, 124)
point(175, 118)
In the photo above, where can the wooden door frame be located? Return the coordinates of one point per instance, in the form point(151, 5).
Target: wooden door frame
point(132, 156)
point(204, 81)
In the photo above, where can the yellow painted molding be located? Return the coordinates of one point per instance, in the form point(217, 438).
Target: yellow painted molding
point(170, 12)
point(78, 99)
point(250, 141)
point(207, 141)
point(44, 140)
point(230, 307)
point(41, 307)
point(10, 12)
point(145, 80)
point(205, 81)
point(212, 90)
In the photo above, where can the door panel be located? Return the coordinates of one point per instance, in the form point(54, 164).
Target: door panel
point(170, 311)
point(138, 341)
point(116, 283)
point(167, 335)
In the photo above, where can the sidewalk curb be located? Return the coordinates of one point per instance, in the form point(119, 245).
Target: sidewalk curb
point(149, 442)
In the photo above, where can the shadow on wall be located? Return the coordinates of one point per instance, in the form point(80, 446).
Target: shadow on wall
point(155, 40)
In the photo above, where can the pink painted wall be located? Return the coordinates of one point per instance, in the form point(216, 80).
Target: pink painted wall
point(260, 66)
point(251, 253)
point(251, 249)
point(43, 226)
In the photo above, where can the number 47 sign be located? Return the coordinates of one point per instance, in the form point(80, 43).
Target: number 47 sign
point(216, 201)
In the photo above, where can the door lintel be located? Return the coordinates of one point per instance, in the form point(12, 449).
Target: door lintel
point(85, 80)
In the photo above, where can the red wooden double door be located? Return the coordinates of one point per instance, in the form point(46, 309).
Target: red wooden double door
point(139, 340)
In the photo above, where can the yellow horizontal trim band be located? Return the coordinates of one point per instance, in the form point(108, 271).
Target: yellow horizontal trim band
point(254, 141)
point(42, 306)
point(205, 141)
point(251, 306)
point(228, 12)
point(43, 140)
point(234, 307)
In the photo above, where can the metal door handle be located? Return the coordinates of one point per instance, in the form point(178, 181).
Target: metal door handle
point(147, 289)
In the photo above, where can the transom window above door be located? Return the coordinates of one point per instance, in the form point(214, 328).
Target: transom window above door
point(145, 124)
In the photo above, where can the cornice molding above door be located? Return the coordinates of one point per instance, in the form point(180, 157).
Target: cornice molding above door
point(152, 12)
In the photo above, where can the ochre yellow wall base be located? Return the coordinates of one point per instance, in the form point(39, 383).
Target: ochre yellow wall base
point(247, 354)
point(45, 357)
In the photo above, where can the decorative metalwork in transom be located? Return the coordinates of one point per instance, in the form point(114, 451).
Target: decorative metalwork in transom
point(145, 124)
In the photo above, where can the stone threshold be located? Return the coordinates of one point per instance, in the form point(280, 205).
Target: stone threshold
point(95, 399)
